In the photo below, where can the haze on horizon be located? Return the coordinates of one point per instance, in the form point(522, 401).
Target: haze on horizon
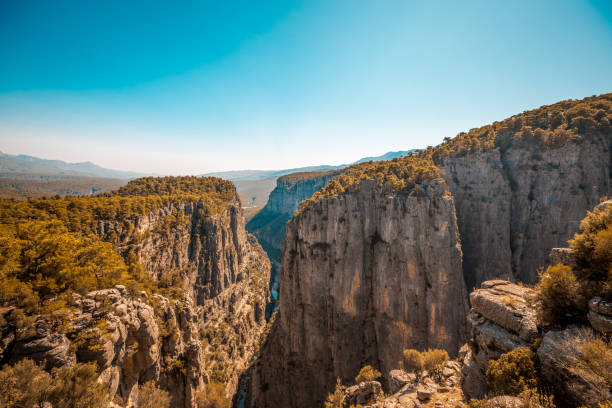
point(151, 87)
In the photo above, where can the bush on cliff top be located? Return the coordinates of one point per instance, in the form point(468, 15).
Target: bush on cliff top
point(432, 361)
point(412, 361)
point(401, 175)
point(547, 127)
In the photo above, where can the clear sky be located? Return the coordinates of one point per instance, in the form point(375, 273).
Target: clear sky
point(186, 87)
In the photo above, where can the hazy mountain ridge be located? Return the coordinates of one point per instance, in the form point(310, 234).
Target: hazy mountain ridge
point(237, 175)
point(22, 163)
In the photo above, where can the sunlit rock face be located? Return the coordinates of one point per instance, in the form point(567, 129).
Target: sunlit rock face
point(514, 205)
point(364, 275)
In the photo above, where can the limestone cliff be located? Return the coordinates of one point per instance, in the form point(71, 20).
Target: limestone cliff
point(364, 275)
point(515, 204)
point(269, 224)
point(225, 271)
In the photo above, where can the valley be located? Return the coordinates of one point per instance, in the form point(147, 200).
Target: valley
point(465, 252)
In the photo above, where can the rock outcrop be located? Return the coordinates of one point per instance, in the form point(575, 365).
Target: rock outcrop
point(600, 315)
point(364, 275)
point(409, 392)
point(515, 204)
point(224, 270)
point(503, 318)
point(563, 367)
point(209, 330)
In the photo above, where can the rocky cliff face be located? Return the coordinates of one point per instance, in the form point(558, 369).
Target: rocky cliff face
point(269, 224)
point(364, 275)
point(515, 204)
point(209, 332)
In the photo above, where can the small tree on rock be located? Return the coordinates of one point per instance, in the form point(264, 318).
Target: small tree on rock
point(413, 361)
point(367, 373)
point(336, 398)
point(434, 360)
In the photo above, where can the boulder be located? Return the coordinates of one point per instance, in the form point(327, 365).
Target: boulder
point(46, 346)
point(424, 393)
point(398, 379)
point(506, 305)
point(503, 401)
point(562, 255)
point(600, 315)
point(473, 381)
point(562, 367)
point(362, 393)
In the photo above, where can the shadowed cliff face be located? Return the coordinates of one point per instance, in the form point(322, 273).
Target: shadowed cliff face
point(515, 205)
point(363, 276)
point(226, 273)
point(269, 225)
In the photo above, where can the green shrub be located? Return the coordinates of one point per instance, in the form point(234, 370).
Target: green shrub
point(559, 293)
point(150, 396)
point(513, 373)
point(532, 398)
point(598, 356)
point(367, 373)
point(78, 387)
point(593, 250)
point(24, 384)
point(434, 360)
point(413, 361)
point(336, 398)
point(213, 396)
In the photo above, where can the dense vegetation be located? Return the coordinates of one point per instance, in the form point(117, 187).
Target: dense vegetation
point(26, 385)
point(547, 127)
point(402, 175)
point(301, 176)
point(50, 249)
point(22, 186)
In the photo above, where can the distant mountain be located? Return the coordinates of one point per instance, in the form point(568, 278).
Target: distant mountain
point(33, 165)
point(386, 156)
point(243, 175)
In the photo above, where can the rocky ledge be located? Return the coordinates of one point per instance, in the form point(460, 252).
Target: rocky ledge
point(125, 336)
point(503, 317)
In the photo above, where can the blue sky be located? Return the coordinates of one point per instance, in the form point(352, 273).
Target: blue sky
point(208, 86)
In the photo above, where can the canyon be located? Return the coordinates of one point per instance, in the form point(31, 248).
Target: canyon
point(356, 282)
point(208, 333)
point(340, 269)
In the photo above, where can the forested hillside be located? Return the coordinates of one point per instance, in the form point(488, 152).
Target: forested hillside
point(139, 281)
